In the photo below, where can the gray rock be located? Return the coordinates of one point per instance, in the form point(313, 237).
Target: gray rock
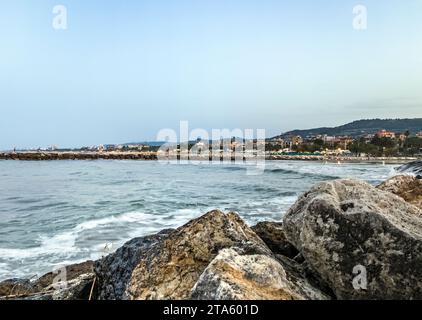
point(76, 285)
point(405, 186)
point(272, 233)
point(233, 275)
point(78, 288)
point(114, 271)
point(72, 271)
point(363, 242)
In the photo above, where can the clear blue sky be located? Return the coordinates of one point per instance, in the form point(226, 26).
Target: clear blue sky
point(125, 69)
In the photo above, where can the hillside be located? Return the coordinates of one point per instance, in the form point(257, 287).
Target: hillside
point(362, 127)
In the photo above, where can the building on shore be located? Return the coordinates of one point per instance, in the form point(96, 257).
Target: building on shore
point(368, 137)
point(402, 137)
point(297, 140)
point(329, 139)
point(386, 134)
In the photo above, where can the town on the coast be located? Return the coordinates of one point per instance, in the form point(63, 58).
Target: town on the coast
point(359, 140)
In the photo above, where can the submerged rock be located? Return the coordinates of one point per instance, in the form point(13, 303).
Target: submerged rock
point(272, 233)
point(170, 268)
point(233, 275)
point(405, 186)
point(114, 271)
point(363, 242)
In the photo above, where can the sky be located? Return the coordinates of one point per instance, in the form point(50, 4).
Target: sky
point(123, 70)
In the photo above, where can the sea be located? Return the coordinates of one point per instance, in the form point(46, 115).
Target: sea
point(55, 213)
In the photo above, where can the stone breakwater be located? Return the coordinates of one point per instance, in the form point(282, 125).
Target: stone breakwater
point(343, 239)
point(120, 155)
point(38, 155)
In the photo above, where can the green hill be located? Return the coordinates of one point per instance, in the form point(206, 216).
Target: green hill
point(362, 127)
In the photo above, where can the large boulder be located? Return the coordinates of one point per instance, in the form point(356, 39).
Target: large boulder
point(233, 275)
point(365, 243)
point(114, 271)
point(272, 233)
point(405, 186)
point(170, 269)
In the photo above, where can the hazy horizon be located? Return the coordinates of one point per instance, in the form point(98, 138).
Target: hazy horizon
point(120, 72)
point(227, 136)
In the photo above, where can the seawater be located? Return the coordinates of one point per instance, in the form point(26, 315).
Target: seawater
point(54, 213)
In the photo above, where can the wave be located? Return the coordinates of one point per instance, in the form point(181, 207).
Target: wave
point(287, 171)
point(261, 188)
point(44, 206)
point(303, 173)
point(64, 243)
point(414, 167)
point(78, 173)
point(235, 168)
point(136, 223)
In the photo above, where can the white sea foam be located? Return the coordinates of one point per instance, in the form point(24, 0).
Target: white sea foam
point(64, 243)
point(173, 219)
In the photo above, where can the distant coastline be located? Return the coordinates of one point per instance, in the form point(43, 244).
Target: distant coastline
point(117, 155)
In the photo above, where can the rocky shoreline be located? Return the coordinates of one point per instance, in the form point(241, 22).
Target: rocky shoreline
point(73, 155)
point(132, 155)
point(343, 239)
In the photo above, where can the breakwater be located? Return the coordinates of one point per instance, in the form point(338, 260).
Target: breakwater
point(95, 155)
point(38, 155)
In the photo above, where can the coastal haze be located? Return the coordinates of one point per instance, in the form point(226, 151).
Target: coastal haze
point(121, 72)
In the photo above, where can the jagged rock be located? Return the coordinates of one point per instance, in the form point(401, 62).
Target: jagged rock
point(405, 186)
point(170, 269)
point(78, 288)
point(12, 287)
point(70, 272)
point(272, 234)
point(74, 282)
point(365, 243)
point(236, 276)
point(114, 271)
